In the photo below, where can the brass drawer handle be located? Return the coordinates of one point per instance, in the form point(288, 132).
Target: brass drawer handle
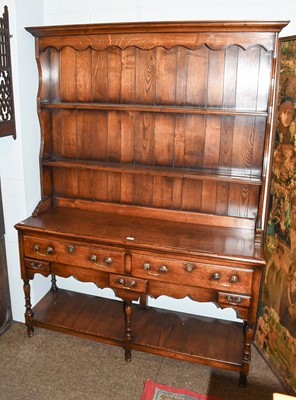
point(233, 299)
point(35, 265)
point(162, 269)
point(48, 251)
point(216, 276)
point(122, 282)
point(189, 267)
point(108, 260)
point(153, 273)
point(147, 267)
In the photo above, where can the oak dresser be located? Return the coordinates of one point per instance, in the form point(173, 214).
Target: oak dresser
point(155, 167)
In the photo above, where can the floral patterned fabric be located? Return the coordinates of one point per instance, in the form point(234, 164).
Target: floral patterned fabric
point(276, 331)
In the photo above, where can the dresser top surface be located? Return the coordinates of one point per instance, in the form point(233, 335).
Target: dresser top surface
point(146, 233)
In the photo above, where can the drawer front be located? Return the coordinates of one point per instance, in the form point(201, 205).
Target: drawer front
point(99, 258)
point(37, 265)
point(234, 299)
point(128, 283)
point(192, 273)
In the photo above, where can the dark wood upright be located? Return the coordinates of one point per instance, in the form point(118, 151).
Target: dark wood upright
point(155, 169)
point(5, 303)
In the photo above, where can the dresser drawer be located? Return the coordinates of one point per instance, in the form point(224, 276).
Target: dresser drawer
point(94, 257)
point(234, 299)
point(193, 273)
point(37, 265)
point(128, 283)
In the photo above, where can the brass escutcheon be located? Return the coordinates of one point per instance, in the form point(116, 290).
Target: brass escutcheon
point(70, 248)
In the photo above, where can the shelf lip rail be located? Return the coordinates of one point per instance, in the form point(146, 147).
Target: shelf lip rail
point(152, 170)
point(182, 109)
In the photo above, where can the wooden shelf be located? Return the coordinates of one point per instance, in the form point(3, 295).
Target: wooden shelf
point(157, 331)
point(153, 171)
point(184, 109)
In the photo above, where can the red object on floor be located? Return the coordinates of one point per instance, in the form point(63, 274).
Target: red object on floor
point(156, 391)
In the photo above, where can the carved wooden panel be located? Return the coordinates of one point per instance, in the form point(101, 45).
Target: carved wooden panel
point(7, 117)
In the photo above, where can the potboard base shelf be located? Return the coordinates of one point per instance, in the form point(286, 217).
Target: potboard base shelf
point(158, 331)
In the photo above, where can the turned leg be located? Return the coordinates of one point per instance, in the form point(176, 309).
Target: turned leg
point(248, 339)
point(128, 327)
point(29, 313)
point(143, 301)
point(53, 283)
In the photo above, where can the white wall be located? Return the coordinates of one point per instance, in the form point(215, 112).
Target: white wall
point(19, 167)
point(92, 11)
point(19, 158)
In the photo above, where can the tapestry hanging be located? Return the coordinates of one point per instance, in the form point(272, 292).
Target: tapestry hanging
point(276, 332)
